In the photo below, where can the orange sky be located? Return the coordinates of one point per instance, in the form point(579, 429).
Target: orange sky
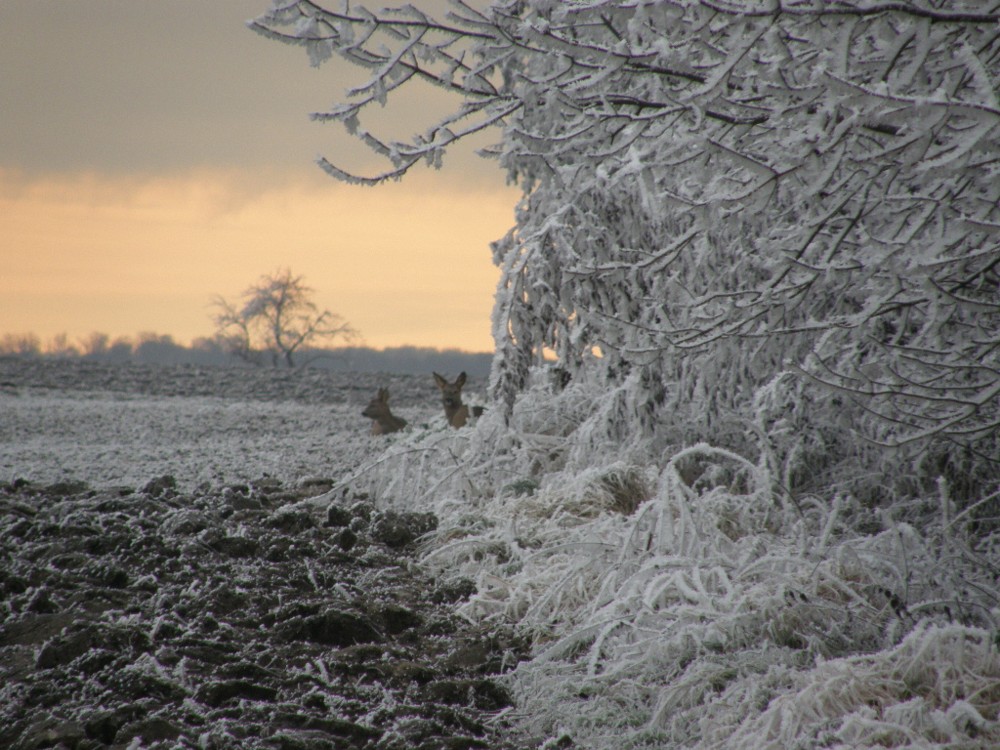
point(406, 264)
point(153, 156)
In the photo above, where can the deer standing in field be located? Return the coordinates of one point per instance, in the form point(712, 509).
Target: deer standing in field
point(455, 411)
point(383, 420)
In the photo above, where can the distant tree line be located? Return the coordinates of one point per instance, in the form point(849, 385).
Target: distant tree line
point(273, 322)
point(153, 348)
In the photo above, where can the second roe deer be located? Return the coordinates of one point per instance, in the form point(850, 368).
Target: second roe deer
point(455, 411)
point(383, 420)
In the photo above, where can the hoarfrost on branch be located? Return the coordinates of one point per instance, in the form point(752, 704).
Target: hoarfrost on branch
point(718, 194)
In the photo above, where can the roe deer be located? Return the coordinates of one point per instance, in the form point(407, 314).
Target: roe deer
point(383, 420)
point(455, 411)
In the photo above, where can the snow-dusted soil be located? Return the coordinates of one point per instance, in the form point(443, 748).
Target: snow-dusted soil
point(168, 577)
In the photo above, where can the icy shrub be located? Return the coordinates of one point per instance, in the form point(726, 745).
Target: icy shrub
point(672, 595)
point(760, 241)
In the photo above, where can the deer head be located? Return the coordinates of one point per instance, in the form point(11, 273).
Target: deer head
point(455, 411)
point(383, 420)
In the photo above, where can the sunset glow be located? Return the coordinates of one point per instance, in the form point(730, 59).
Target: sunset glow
point(153, 156)
point(406, 264)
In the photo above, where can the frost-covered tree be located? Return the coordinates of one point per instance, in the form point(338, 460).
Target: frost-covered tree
point(276, 318)
point(749, 232)
point(768, 223)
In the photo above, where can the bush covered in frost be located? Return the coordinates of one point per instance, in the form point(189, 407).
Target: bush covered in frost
point(738, 478)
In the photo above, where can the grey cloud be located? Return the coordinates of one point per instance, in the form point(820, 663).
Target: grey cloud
point(120, 86)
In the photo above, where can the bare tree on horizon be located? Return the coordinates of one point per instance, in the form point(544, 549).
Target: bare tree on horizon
point(276, 318)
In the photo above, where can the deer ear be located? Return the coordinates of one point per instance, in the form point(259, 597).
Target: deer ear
point(460, 381)
point(383, 394)
point(440, 380)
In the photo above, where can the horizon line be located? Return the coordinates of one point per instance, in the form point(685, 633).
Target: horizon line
point(22, 343)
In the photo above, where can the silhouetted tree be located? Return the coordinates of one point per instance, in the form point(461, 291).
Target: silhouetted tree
point(275, 318)
point(157, 348)
point(20, 344)
point(60, 346)
point(99, 346)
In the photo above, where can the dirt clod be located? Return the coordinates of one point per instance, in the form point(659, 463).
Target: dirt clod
point(203, 619)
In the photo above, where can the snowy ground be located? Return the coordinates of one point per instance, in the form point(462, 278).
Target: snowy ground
point(124, 425)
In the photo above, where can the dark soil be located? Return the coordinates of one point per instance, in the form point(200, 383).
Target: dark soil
point(233, 617)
